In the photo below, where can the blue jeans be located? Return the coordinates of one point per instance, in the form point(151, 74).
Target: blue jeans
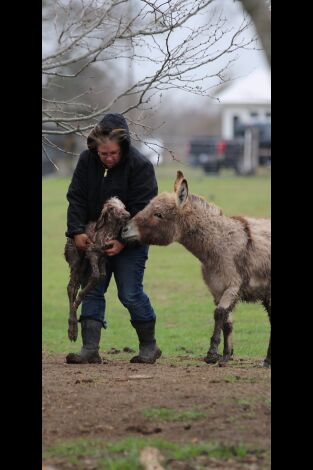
point(128, 269)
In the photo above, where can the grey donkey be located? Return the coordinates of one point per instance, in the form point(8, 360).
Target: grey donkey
point(235, 253)
point(112, 218)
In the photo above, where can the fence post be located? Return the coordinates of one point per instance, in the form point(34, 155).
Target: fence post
point(250, 156)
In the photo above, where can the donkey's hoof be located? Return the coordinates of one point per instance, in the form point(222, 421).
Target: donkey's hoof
point(267, 363)
point(72, 330)
point(223, 361)
point(212, 358)
point(72, 336)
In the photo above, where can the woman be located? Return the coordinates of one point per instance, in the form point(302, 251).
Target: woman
point(113, 167)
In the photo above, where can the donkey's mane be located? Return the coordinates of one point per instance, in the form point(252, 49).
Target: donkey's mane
point(199, 201)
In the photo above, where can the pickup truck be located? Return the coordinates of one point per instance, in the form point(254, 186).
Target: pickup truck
point(214, 153)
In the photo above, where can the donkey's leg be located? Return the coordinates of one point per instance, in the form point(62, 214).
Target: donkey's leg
point(95, 277)
point(72, 290)
point(221, 316)
point(102, 266)
point(212, 356)
point(93, 281)
point(267, 360)
point(228, 351)
point(74, 259)
point(93, 257)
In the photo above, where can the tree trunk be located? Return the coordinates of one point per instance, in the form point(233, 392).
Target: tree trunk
point(261, 17)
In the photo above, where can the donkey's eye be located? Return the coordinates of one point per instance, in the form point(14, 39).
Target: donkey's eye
point(158, 215)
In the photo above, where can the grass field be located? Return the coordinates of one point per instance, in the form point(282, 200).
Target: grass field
point(173, 279)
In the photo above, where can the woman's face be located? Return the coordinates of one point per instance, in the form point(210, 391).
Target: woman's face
point(109, 153)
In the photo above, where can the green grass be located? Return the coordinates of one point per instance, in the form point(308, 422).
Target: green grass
point(170, 414)
point(124, 454)
point(173, 280)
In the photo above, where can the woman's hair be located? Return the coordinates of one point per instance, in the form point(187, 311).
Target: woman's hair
point(101, 134)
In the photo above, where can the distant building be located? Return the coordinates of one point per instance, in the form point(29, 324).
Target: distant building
point(246, 101)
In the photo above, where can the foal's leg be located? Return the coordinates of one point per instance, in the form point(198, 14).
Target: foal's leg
point(102, 266)
point(221, 317)
point(74, 260)
point(72, 290)
point(95, 277)
point(267, 360)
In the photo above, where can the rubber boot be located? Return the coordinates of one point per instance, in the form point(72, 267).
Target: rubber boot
point(91, 333)
point(148, 349)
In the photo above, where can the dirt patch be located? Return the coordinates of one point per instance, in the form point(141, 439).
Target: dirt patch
point(110, 401)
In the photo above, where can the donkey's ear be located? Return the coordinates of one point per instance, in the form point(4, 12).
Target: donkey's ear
point(100, 223)
point(102, 220)
point(179, 179)
point(182, 193)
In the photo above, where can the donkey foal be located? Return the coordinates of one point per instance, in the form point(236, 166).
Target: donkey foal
point(112, 218)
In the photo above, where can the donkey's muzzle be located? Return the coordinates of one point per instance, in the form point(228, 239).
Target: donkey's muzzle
point(130, 232)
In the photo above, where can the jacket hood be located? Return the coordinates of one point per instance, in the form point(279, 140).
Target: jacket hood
point(108, 123)
point(115, 121)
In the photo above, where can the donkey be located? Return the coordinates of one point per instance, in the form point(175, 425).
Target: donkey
point(112, 218)
point(234, 252)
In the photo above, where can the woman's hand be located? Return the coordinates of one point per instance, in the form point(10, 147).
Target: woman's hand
point(115, 248)
point(82, 241)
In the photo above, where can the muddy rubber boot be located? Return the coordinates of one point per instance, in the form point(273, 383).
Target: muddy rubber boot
point(148, 349)
point(91, 333)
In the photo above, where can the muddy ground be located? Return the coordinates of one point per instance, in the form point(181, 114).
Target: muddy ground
point(107, 401)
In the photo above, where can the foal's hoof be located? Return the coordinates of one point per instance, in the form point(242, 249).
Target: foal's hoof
point(212, 358)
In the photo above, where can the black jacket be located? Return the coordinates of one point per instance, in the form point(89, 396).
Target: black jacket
point(132, 180)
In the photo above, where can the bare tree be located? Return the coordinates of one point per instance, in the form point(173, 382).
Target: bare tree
point(173, 44)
